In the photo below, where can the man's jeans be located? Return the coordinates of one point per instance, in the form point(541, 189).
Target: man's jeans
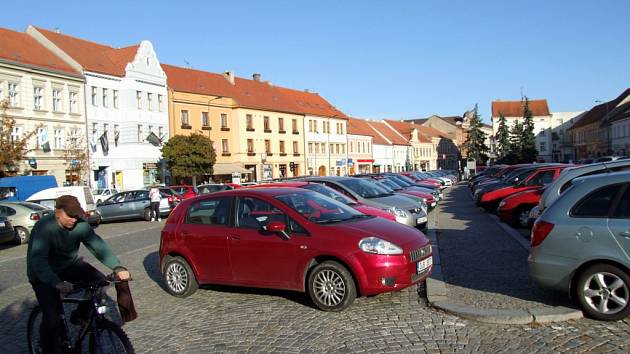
point(50, 303)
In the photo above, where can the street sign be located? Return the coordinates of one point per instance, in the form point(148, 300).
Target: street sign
point(32, 163)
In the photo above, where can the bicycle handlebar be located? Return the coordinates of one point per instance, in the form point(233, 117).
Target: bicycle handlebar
point(94, 285)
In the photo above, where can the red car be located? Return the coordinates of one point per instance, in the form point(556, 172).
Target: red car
point(185, 191)
point(515, 209)
point(289, 238)
point(537, 178)
point(423, 181)
point(331, 193)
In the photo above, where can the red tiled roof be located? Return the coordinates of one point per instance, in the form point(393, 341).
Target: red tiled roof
point(197, 81)
point(21, 48)
point(515, 108)
point(376, 137)
point(598, 112)
point(358, 126)
point(92, 56)
point(249, 93)
point(389, 133)
point(403, 128)
point(312, 104)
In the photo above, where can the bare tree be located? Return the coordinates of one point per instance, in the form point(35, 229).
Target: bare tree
point(13, 148)
point(76, 156)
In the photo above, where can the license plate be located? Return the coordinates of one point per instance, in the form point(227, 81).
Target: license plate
point(421, 220)
point(2, 224)
point(424, 264)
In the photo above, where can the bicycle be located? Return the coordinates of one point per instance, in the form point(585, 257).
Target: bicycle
point(104, 335)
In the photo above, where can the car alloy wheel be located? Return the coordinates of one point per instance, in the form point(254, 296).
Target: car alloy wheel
point(179, 278)
point(523, 217)
point(21, 235)
point(331, 286)
point(604, 292)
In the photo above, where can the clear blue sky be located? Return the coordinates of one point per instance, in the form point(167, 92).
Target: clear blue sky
point(375, 59)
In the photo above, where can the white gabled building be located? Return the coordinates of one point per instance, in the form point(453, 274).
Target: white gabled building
point(126, 108)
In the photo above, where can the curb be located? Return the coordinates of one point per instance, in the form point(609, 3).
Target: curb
point(438, 296)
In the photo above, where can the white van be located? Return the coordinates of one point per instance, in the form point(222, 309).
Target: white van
point(83, 194)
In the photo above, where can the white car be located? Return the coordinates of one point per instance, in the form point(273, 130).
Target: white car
point(102, 194)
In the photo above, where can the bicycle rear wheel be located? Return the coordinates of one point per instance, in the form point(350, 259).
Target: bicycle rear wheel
point(35, 321)
point(109, 339)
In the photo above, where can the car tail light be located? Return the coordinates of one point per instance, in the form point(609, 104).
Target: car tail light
point(35, 216)
point(170, 199)
point(541, 230)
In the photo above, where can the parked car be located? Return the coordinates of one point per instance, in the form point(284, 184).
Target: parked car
point(566, 177)
point(515, 209)
point(580, 244)
point(276, 238)
point(83, 194)
point(171, 195)
point(331, 193)
point(407, 211)
point(186, 191)
point(104, 193)
point(410, 183)
point(23, 216)
point(133, 204)
point(7, 233)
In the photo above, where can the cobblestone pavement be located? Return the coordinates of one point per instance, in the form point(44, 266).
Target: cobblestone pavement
point(227, 319)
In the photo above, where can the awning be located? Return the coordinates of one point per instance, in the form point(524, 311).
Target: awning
point(228, 168)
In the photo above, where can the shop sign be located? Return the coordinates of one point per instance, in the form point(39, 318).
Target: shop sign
point(149, 166)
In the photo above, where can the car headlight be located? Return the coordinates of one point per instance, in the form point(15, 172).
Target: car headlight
point(400, 213)
point(378, 246)
point(502, 203)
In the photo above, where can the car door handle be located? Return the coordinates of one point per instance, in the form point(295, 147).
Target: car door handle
point(625, 234)
point(235, 237)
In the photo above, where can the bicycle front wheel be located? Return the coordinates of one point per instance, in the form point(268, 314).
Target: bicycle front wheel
point(35, 322)
point(109, 338)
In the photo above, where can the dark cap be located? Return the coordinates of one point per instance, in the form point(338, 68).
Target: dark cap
point(70, 204)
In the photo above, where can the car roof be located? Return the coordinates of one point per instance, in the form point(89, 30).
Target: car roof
point(605, 178)
point(295, 184)
point(329, 178)
point(269, 191)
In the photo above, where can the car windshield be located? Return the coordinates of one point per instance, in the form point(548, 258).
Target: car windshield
point(330, 193)
point(211, 188)
point(518, 177)
point(409, 181)
point(362, 187)
point(320, 209)
point(388, 185)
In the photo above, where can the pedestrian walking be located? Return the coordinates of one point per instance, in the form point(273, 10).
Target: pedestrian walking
point(156, 197)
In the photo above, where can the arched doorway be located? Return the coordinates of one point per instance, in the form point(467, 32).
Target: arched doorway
point(322, 170)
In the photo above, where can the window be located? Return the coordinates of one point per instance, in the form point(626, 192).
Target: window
point(224, 146)
point(94, 96)
point(281, 124)
point(266, 124)
point(161, 132)
point(14, 97)
point(16, 134)
point(115, 98)
point(310, 125)
point(542, 131)
point(74, 102)
point(542, 178)
point(58, 134)
point(140, 133)
point(368, 148)
point(596, 204)
point(250, 145)
point(623, 208)
point(38, 97)
point(224, 123)
point(282, 146)
point(295, 147)
point(323, 148)
point(149, 101)
point(337, 148)
point(331, 148)
point(139, 99)
point(310, 148)
point(105, 98)
point(210, 212)
point(268, 146)
point(254, 213)
point(294, 125)
point(56, 101)
point(249, 122)
point(160, 103)
point(343, 148)
point(184, 117)
point(317, 148)
point(205, 120)
point(543, 147)
point(42, 133)
point(351, 146)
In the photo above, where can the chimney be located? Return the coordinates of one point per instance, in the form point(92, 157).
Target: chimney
point(307, 90)
point(269, 83)
point(256, 77)
point(229, 76)
point(57, 30)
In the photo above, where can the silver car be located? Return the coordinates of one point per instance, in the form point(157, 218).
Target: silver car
point(406, 210)
point(23, 216)
point(581, 244)
point(131, 205)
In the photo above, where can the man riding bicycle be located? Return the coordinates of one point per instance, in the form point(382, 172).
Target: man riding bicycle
point(53, 263)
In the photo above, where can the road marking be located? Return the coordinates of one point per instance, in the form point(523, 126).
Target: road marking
point(109, 238)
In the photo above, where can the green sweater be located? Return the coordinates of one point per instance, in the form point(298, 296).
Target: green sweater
point(51, 249)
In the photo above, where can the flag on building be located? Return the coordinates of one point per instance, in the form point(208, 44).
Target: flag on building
point(104, 143)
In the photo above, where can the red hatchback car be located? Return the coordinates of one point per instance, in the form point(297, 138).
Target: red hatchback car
point(289, 238)
point(186, 191)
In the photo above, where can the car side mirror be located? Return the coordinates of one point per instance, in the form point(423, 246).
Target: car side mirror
point(99, 203)
point(278, 227)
